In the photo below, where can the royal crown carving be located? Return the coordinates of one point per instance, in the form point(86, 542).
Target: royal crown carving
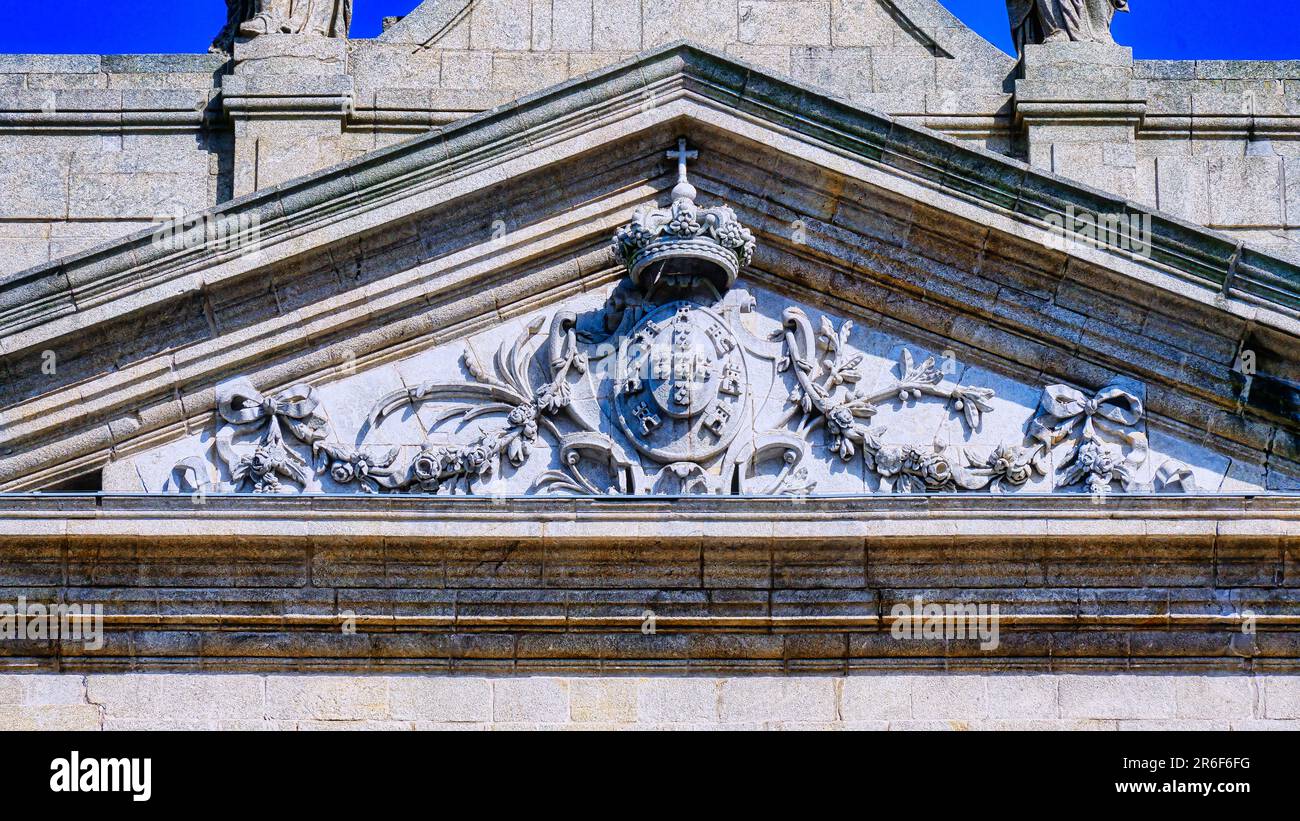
point(666, 390)
point(685, 238)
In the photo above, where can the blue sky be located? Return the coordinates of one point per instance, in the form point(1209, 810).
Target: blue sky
point(1173, 29)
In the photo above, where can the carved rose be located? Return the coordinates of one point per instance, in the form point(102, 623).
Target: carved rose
point(1009, 463)
point(427, 465)
point(427, 468)
point(368, 469)
point(1098, 462)
point(552, 397)
point(522, 413)
point(938, 473)
point(931, 468)
point(477, 459)
point(914, 468)
point(1094, 457)
point(844, 431)
point(841, 418)
point(264, 466)
point(889, 461)
point(261, 462)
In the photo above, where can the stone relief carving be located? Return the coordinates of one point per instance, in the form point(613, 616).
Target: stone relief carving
point(269, 459)
point(826, 370)
point(250, 18)
point(1035, 22)
point(661, 391)
point(1104, 446)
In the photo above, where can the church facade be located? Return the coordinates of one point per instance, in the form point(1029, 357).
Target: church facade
point(718, 363)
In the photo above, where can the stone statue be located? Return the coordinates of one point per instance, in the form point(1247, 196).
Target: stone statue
point(249, 18)
point(1034, 22)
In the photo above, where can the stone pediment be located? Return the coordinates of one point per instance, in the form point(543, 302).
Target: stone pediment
point(450, 315)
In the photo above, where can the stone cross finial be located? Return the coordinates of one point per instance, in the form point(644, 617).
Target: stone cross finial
point(683, 189)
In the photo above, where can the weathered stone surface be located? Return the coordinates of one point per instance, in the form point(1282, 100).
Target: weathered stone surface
point(1220, 697)
point(777, 699)
point(180, 698)
point(789, 22)
point(372, 279)
point(849, 70)
point(678, 701)
point(876, 697)
point(327, 698)
point(1280, 699)
point(58, 718)
point(616, 26)
point(52, 690)
point(1128, 697)
point(603, 700)
point(538, 700)
point(441, 700)
point(1017, 697)
point(878, 701)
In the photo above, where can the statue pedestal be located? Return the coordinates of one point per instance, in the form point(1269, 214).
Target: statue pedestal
point(290, 54)
point(1080, 108)
point(288, 99)
point(1069, 62)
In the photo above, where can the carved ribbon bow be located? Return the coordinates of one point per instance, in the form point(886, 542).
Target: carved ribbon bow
point(1114, 403)
point(239, 403)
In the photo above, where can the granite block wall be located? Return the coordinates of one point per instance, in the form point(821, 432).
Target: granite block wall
point(198, 701)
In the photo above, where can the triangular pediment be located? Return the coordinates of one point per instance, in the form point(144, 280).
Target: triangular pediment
point(374, 277)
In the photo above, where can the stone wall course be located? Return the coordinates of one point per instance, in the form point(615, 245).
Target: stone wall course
point(877, 701)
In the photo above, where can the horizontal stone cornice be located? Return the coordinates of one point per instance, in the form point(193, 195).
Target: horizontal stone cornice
point(322, 519)
point(101, 111)
point(287, 97)
point(362, 583)
point(780, 585)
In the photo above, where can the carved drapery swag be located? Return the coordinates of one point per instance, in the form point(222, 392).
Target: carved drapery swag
point(659, 392)
point(1034, 22)
point(250, 18)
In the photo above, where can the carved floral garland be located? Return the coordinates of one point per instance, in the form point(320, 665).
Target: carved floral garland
point(1103, 444)
point(825, 369)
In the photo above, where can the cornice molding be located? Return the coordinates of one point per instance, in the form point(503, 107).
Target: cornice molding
point(58, 298)
point(881, 518)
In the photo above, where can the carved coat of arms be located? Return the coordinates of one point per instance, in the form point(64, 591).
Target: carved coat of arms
point(684, 393)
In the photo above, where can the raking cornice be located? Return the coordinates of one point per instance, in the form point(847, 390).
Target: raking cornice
point(49, 301)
